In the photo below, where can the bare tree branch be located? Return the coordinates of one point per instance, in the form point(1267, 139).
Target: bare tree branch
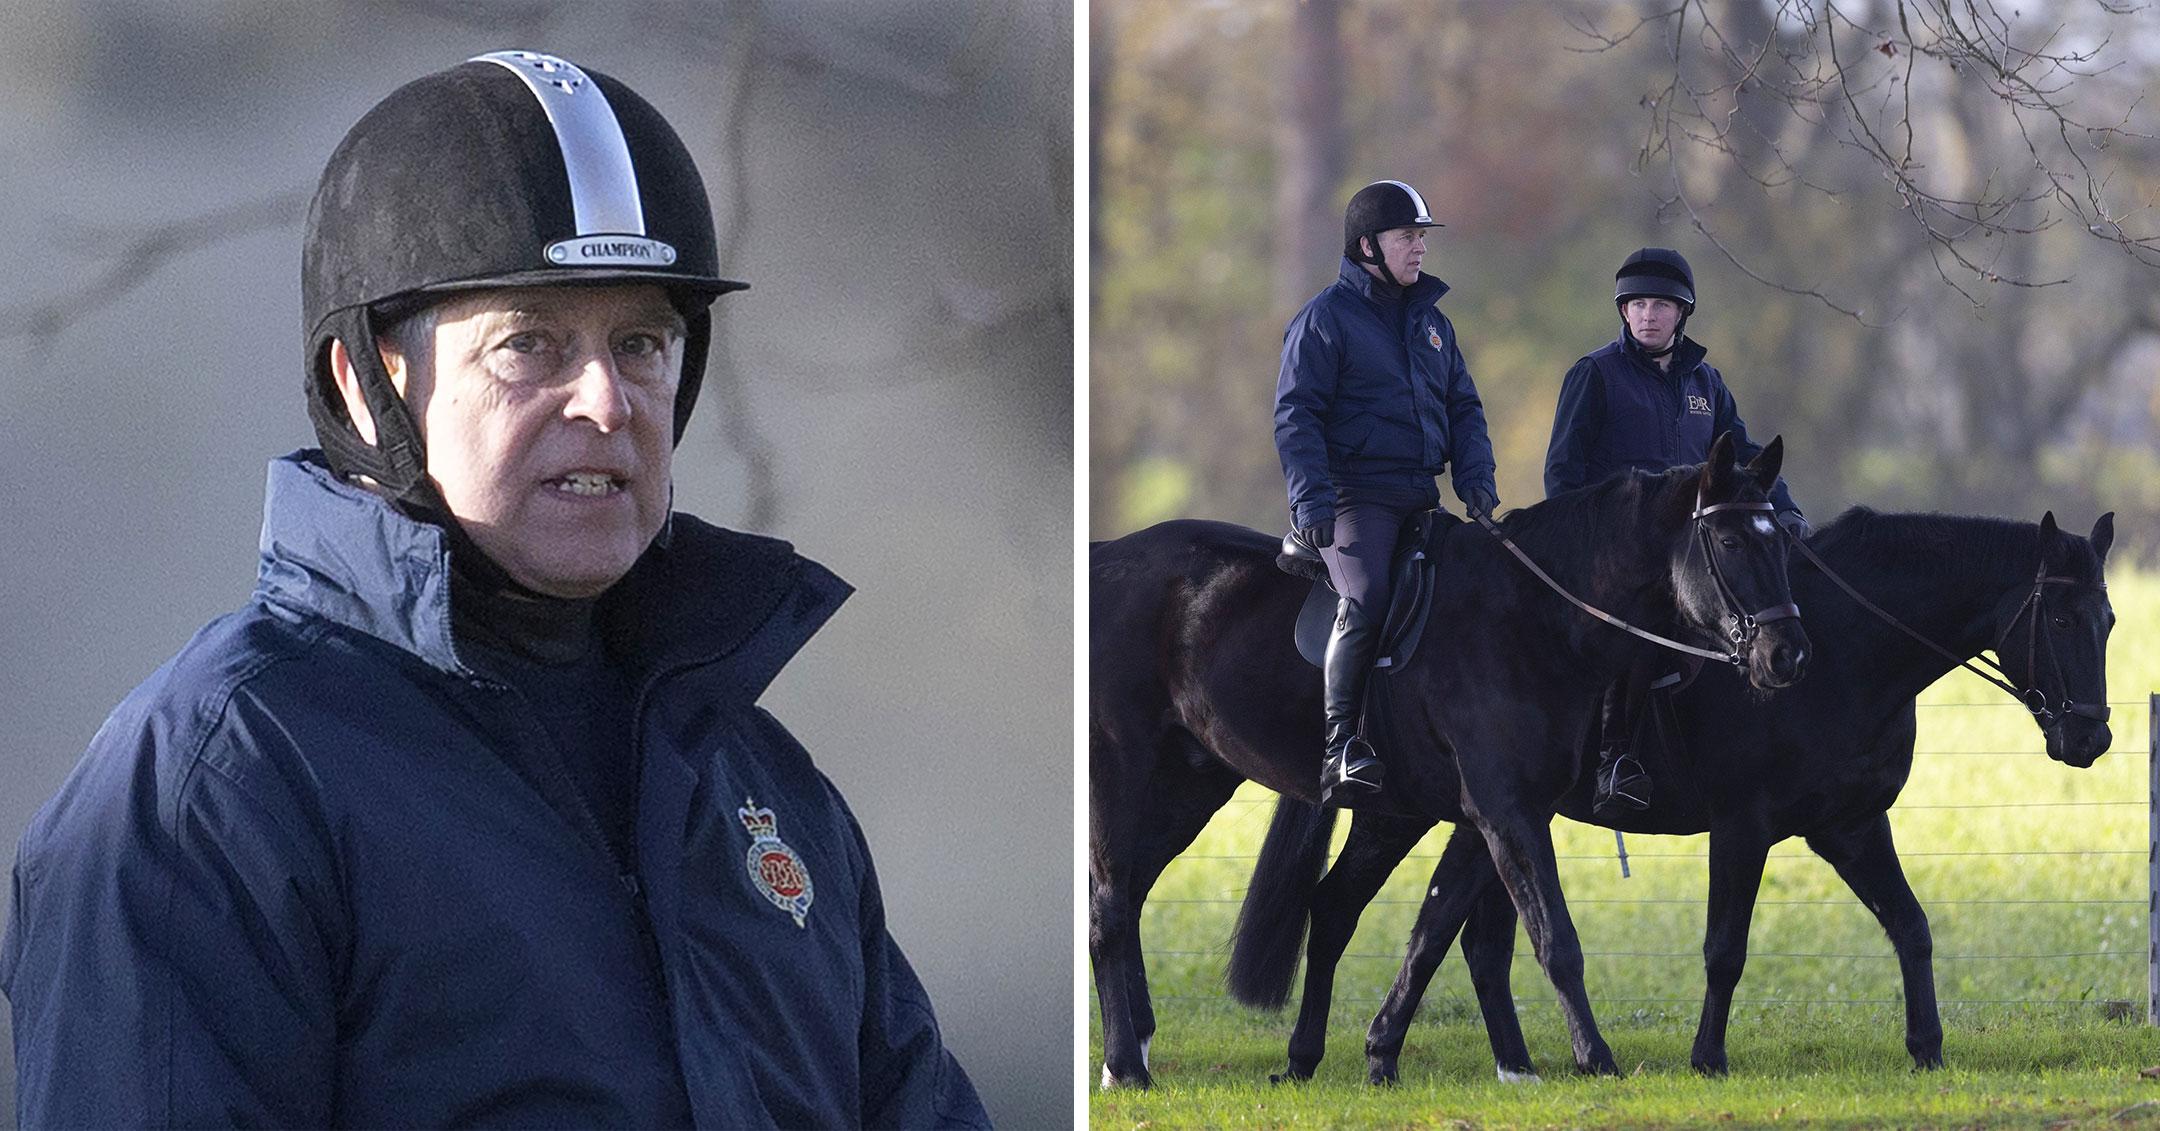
point(140, 256)
point(2045, 79)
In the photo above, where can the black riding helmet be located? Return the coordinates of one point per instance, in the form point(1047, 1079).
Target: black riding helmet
point(1378, 207)
point(1655, 272)
point(511, 169)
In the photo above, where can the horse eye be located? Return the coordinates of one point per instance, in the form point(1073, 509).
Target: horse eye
point(2060, 621)
point(1729, 542)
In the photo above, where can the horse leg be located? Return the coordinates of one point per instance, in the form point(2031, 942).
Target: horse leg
point(1376, 844)
point(1456, 880)
point(1736, 868)
point(1488, 946)
point(1128, 852)
point(1522, 850)
point(1114, 951)
point(1867, 860)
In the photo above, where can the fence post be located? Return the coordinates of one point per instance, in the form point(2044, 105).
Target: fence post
point(2152, 863)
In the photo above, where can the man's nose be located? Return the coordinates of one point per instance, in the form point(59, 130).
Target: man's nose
point(598, 394)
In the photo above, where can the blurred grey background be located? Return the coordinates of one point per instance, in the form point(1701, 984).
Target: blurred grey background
point(893, 395)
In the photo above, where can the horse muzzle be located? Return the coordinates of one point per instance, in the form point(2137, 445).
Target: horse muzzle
point(1778, 655)
point(2078, 740)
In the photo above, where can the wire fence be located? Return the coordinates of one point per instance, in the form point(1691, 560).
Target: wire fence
point(2037, 896)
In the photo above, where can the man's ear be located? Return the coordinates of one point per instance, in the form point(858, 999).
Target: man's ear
point(348, 383)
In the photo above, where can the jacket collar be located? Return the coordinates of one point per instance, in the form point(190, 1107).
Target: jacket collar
point(706, 596)
point(1352, 274)
point(1684, 359)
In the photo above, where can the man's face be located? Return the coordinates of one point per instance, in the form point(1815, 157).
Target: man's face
point(549, 414)
point(1652, 320)
point(1403, 249)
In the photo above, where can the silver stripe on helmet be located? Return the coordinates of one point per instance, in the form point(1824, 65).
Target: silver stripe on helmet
point(1424, 214)
point(603, 184)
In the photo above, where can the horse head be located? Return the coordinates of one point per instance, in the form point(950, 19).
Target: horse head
point(2052, 640)
point(1729, 571)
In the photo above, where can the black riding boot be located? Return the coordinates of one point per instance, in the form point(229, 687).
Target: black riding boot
point(1622, 783)
point(1352, 769)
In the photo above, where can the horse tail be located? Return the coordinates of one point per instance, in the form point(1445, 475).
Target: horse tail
point(1270, 933)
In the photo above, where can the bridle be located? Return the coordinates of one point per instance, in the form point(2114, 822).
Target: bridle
point(2034, 699)
point(1741, 627)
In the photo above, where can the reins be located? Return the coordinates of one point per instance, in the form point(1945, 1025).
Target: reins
point(2033, 699)
point(1744, 626)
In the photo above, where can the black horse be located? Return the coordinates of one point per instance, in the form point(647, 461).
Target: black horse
point(1823, 761)
point(1195, 686)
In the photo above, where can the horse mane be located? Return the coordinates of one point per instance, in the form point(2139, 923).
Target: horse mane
point(1584, 516)
point(1907, 541)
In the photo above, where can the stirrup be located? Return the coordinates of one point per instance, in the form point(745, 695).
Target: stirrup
point(1351, 772)
point(1621, 784)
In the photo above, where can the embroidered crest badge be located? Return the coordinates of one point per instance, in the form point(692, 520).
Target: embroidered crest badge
point(1432, 334)
point(774, 867)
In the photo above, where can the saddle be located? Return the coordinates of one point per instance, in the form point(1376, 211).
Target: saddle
point(1416, 565)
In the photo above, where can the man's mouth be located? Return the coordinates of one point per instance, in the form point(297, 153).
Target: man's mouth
point(587, 483)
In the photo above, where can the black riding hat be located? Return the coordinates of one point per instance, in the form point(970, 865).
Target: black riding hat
point(1657, 272)
point(1378, 207)
point(511, 169)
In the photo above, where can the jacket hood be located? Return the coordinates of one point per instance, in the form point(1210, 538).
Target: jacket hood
point(337, 551)
point(1353, 275)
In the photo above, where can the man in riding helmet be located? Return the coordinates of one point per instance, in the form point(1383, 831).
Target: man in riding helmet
point(1646, 400)
point(1372, 403)
point(470, 816)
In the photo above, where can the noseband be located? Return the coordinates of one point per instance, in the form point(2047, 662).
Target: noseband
point(2034, 699)
point(1741, 627)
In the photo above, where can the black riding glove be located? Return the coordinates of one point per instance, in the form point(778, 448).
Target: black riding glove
point(1481, 502)
point(1319, 535)
point(1795, 524)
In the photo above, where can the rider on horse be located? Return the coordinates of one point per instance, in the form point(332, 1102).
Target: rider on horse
point(1372, 403)
point(1645, 400)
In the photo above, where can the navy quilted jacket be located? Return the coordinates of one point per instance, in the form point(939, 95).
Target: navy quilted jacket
point(297, 881)
point(1374, 392)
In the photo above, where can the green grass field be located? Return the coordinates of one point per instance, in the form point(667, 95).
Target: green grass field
point(2033, 875)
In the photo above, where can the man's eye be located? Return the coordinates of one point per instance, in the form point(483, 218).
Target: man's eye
point(525, 342)
point(639, 345)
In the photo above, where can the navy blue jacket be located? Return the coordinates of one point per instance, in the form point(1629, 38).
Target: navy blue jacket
point(1373, 392)
point(297, 881)
point(1619, 410)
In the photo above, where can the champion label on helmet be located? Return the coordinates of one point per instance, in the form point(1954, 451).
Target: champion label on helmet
point(611, 251)
point(603, 184)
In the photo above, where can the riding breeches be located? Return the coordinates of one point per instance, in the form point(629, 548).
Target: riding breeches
point(1367, 525)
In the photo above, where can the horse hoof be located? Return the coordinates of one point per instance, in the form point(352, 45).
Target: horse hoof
point(1711, 1068)
point(1290, 1075)
point(1927, 1063)
point(1383, 1077)
point(1141, 1080)
point(1520, 1076)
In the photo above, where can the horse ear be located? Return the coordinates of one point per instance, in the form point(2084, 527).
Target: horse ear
point(2047, 531)
point(1767, 463)
point(2103, 535)
point(1717, 472)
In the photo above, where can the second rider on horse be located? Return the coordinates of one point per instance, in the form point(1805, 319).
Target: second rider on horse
point(1646, 400)
point(1372, 403)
